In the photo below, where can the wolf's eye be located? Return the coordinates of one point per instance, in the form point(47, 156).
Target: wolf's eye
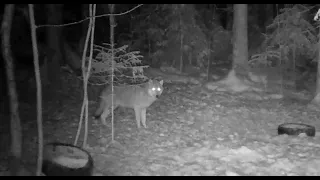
point(159, 89)
point(153, 89)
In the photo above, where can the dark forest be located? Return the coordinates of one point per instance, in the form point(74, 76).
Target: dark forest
point(160, 89)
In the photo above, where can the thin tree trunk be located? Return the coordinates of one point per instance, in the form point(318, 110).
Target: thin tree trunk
point(181, 47)
point(316, 99)
point(54, 16)
point(269, 15)
point(39, 90)
point(229, 18)
point(85, 24)
point(318, 72)
point(15, 124)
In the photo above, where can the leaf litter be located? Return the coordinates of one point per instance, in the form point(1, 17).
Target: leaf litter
point(191, 133)
point(220, 135)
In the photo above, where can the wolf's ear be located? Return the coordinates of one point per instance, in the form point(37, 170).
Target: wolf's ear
point(161, 82)
point(150, 81)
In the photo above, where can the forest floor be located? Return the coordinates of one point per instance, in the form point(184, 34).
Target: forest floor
point(189, 133)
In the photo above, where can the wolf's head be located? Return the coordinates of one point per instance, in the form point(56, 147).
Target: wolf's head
point(155, 88)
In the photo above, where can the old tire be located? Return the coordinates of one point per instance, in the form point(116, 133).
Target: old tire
point(61, 159)
point(295, 129)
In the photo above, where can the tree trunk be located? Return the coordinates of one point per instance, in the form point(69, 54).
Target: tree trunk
point(316, 99)
point(15, 123)
point(229, 17)
point(276, 9)
point(85, 24)
point(240, 51)
point(54, 16)
point(240, 38)
point(269, 15)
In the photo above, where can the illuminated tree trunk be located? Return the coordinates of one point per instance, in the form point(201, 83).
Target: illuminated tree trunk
point(240, 37)
point(15, 123)
point(240, 51)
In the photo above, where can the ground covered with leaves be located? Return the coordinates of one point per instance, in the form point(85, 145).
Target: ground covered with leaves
point(190, 132)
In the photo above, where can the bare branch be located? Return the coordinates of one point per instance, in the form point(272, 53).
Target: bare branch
point(78, 22)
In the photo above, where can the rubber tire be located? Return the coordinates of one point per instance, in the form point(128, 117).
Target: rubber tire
point(51, 168)
point(287, 128)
